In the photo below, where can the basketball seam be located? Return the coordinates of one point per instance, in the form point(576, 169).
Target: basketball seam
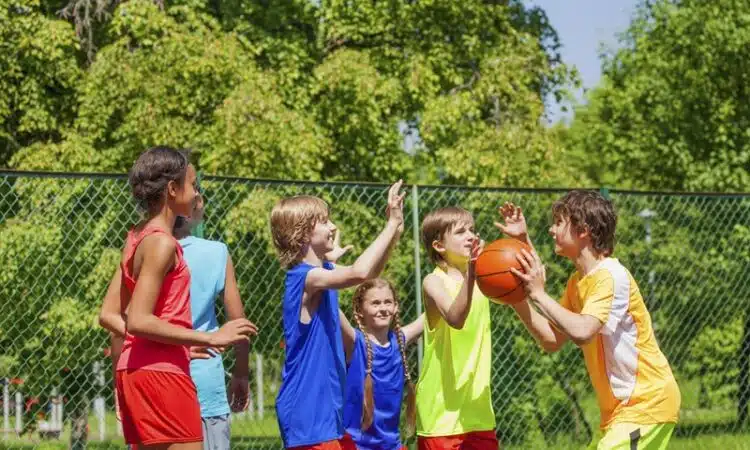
point(493, 273)
point(509, 292)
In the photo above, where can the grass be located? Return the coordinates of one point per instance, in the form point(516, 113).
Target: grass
point(699, 429)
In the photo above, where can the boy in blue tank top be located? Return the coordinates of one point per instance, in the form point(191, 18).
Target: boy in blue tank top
point(377, 369)
point(309, 406)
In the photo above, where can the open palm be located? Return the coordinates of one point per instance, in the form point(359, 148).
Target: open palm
point(514, 223)
point(338, 251)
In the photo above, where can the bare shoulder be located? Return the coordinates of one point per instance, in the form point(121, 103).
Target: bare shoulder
point(432, 283)
point(158, 244)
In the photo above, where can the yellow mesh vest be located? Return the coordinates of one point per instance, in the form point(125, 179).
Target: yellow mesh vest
point(453, 391)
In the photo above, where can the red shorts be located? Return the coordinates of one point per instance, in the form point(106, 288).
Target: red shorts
point(347, 443)
point(336, 444)
point(475, 440)
point(158, 407)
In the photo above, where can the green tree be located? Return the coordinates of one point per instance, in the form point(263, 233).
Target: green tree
point(671, 110)
point(39, 75)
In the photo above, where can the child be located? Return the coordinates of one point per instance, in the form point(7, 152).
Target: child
point(156, 396)
point(212, 276)
point(454, 404)
point(376, 362)
point(602, 312)
point(309, 404)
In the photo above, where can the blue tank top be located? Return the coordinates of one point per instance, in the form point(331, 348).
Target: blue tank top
point(388, 391)
point(309, 406)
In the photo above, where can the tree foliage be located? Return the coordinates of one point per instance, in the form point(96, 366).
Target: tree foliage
point(671, 111)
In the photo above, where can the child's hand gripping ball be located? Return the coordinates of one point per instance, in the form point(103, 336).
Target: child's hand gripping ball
point(493, 274)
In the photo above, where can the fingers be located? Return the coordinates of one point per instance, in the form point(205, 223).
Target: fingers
point(476, 248)
point(500, 226)
point(525, 263)
point(507, 209)
point(242, 326)
point(238, 395)
point(537, 258)
point(200, 353)
point(254, 329)
point(393, 192)
point(525, 278)
point(401, 199)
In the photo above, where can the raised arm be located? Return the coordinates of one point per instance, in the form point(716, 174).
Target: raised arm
point(371, 262)
point(348, 334)
point(453, 310)
point(413, 330)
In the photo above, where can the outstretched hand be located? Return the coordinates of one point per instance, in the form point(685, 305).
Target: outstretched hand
point(534, 273)
point(338, 251)
point(233, 332)
point(476, 249)
point(204, 352)
point(395, 211)
point(514, 222)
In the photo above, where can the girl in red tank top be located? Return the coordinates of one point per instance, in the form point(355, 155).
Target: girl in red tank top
point(157, 398)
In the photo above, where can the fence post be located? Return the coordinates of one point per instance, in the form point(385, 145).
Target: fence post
point(6, 408)
point(52, 422)
point(259, 384)
point(417, 264)
point(19, 413)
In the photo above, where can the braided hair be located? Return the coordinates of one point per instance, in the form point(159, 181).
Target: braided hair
point(368, 404)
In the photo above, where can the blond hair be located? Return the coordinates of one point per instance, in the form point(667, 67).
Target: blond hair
point(292, 222)
point(439, 222)
point(368, 403)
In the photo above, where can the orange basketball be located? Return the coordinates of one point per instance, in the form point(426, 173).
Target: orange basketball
point(494, 277)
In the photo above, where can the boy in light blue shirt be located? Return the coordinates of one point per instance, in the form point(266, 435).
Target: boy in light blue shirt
point(212, 276)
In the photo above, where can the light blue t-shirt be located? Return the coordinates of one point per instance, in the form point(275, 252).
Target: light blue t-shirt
point(207, 261)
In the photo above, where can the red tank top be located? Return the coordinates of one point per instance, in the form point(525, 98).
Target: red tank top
point(173, 306)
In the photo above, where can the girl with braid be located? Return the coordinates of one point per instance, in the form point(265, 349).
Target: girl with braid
point(377, 369)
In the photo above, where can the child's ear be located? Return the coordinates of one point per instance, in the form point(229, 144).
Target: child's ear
point(438, 246)
point(172, 189)
point(584, 233)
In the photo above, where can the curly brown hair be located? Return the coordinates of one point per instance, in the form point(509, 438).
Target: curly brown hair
point(152, 172)
point(589, 211)
point(292, 222)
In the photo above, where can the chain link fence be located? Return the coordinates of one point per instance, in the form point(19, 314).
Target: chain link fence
point(60, 241)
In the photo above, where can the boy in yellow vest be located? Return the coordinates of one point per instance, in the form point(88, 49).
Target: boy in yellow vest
point(454, 405)
point(602, 312)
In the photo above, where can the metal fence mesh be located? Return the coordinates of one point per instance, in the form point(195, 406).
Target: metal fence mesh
point(60, 241)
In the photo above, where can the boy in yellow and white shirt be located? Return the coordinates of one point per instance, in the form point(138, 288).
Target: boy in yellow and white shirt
point(602, 311)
